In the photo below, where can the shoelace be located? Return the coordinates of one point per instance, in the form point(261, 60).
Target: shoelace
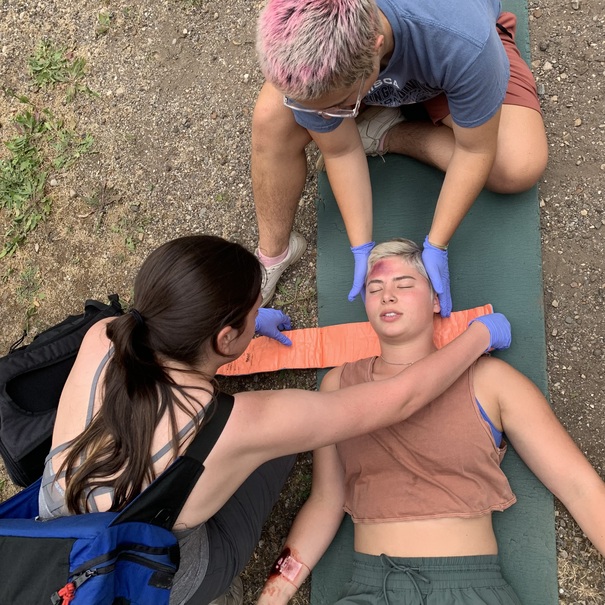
point(413, 573)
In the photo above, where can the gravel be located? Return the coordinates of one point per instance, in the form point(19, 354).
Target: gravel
point(175, 84)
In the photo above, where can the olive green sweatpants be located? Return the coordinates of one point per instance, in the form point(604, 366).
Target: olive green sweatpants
point(427, 581)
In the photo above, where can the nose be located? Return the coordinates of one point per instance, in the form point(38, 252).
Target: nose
point(388, 296)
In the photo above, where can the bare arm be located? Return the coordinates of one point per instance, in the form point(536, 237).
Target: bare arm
point(319, 518)
point(470, 165)
point(291, 421)
point(546, 447)
point(347, 169)
point(314, 528)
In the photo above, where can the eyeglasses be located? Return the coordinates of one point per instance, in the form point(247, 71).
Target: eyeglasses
point(329, 112)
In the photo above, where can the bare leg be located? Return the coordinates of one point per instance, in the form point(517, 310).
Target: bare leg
point(520, 159)
point(279, 169)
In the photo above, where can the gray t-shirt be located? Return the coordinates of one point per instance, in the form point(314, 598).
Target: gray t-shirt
point(440, 46)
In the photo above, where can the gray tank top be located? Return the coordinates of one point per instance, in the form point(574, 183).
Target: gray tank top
point(193, 543)
point(51, 498)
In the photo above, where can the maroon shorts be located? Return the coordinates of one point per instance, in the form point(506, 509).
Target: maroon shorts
point(521, 85)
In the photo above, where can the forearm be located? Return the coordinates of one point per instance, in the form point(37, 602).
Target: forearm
point(465, 178)
point(312, 532)
point(588, 510)
point(432, 375)
point(347, 169)
point(350, 182)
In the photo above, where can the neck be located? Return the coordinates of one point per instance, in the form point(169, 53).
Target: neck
point(396, 356)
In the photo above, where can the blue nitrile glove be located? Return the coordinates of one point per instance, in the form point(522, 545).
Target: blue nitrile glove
point(499, 330)
point(269, 322)
point(360, 254)
point(435, 263)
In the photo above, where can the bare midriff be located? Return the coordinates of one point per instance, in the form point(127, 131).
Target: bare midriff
point(451, 537)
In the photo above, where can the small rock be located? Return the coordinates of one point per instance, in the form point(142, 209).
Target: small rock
point(120, 91)
point(584, 212)
point(541, 90)
point(575, 4)
point(37, 247)
point(537, 13)
point(246, 78)
point(568, 320)
point(72, 193)
point(53, 182)
point(547, 66)
point(555, 303)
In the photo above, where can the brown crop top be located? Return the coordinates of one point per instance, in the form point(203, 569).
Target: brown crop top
point(441, 462)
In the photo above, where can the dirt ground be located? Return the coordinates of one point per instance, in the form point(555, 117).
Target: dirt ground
point(151, 140)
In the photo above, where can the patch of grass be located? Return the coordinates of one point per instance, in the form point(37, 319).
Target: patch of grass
point(288, 293)
point(68, 146)
point(104, 19)
point(28, 292)
point(98, 202)
point(22, 180)
point(133, 230)
point(42, 143)
point(50, 65)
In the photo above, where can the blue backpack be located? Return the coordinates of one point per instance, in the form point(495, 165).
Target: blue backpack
point(124, 558)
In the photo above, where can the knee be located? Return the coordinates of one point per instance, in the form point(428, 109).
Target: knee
point(274, 129)
point(519, 173)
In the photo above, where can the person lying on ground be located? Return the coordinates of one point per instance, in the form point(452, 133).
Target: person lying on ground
point(421, 492)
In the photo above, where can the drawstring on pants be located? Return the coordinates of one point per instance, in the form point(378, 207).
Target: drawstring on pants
point(413, 573)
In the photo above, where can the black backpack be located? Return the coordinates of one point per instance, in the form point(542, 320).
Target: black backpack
point(31, 381)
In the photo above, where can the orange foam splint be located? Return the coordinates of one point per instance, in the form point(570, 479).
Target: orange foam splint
point(332, 346)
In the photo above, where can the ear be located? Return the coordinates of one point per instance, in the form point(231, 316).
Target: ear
point(436, 304)
point(226, 339)
point(379, 43)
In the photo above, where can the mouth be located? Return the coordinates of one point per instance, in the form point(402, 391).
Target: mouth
point(390, 315)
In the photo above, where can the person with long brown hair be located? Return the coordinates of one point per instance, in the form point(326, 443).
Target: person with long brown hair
point(143, 385)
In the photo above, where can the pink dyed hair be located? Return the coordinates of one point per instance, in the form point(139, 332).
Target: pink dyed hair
point(309, 48)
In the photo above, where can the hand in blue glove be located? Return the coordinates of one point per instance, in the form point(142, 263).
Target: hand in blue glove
point(436, 265)
point(269, 322)
point(360, 253)
point(499, 330)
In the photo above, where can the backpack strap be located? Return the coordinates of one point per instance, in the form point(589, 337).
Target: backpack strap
point(161, 503)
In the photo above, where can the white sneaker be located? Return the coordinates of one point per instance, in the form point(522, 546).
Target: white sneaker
point(296, 247)
point(372, 124)
point(233, 596)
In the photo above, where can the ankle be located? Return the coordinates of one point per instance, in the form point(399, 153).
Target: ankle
point(270, 261)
